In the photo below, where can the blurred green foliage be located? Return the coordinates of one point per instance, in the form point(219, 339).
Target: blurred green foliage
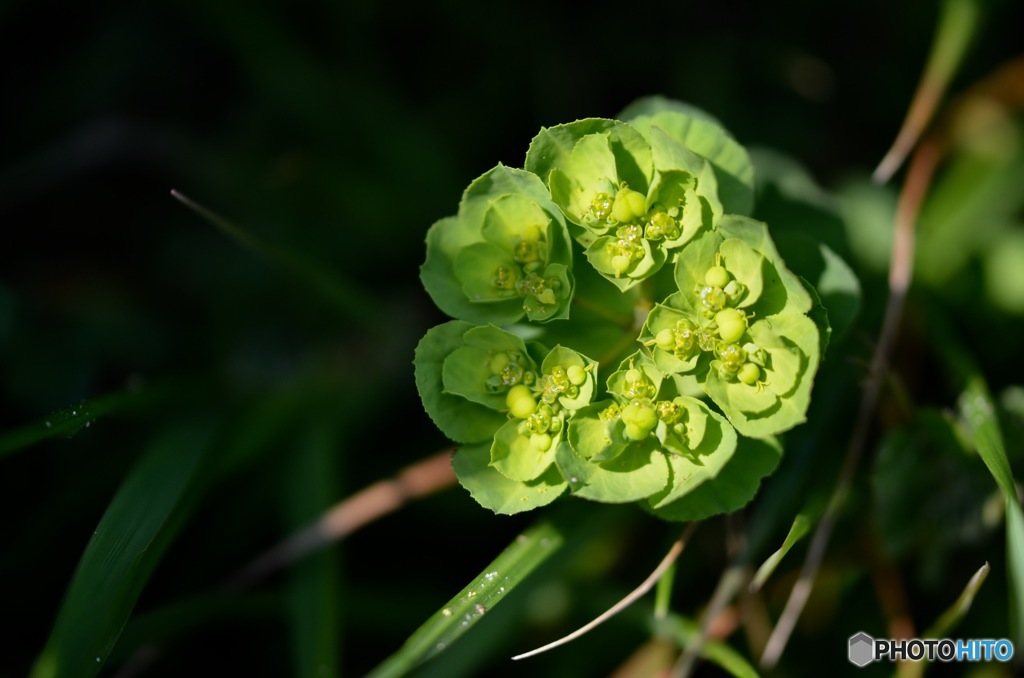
point(336, 133)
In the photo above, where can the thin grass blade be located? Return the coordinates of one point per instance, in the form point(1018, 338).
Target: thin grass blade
point(132, 536)
point(508, 570)
point(71, 420)
point(313, 584)
point(947, 621)
point(346, 297)
point(801, 525)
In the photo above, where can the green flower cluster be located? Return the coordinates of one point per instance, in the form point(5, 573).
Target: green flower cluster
point(657, 200)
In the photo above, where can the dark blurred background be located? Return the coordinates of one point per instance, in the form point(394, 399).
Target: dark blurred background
point(336, 133)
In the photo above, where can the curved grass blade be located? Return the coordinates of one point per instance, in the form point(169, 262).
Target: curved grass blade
point(138, 526)
point(71, 420)
point(978, 412)
point(346, 297)
point(801, 524)
point(948, 621)
point(515, 563)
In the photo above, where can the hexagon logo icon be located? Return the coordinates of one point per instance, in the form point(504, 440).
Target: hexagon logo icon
point(862, 649)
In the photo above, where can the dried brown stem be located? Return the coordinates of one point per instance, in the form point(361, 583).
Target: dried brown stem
point(419, 480)
point(647, 585)
point(919, 176)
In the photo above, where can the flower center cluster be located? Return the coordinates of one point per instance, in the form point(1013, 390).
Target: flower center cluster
point(718, 297)
point(525, 278)
point(641, 412)
point(507, 370)
point(627, 212)
point(538, 406)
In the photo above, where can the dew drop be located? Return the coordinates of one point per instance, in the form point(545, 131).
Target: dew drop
point(446, 612)
point(48, 424)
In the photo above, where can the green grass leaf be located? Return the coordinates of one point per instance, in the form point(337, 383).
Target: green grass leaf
point(978, 412)
point(138, 526)
point(508, 570)
point(801, 525)
point(71, 420)
point(313, 583)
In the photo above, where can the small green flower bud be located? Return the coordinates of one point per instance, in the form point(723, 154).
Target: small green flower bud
point(666, 340)
point(731, 324)
point(577, 375)
point(540, 441)
point(520, 401)
point(620, 264)
point(749, 374)
point(498, 362)
point(629, 205)
point(717, 276)
point(634, 432)
point(639, 416)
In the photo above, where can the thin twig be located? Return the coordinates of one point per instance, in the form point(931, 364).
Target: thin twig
point(956, 26)
point(647, 585)
point(732, 581)
point(919, 177)
point(422, 478)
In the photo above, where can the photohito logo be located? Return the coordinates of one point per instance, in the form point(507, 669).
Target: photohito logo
point(863, 649)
